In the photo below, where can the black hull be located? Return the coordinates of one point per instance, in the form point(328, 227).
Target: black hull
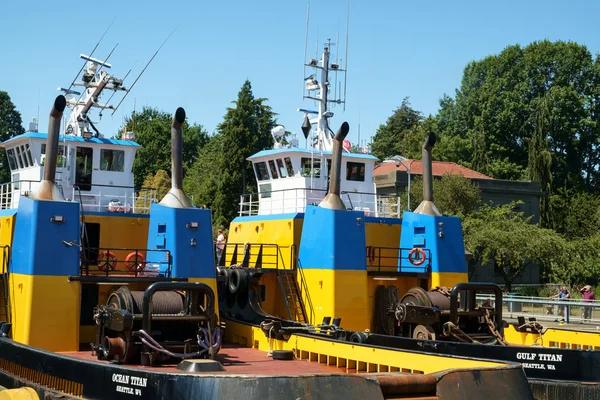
point(50, 373)
point(537, 362)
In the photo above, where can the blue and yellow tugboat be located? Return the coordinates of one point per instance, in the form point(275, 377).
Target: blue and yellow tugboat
point(317, 250)
point(102, 301)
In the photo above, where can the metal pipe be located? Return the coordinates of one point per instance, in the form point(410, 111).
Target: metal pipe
point(427, 207)
point(333, 200)
point(176, 197)
point(427, 173)
point(47, 189)
point(52, 140)
point(473, 287)
point(177, 150)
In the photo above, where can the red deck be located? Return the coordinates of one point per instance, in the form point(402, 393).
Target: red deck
point(238, 361)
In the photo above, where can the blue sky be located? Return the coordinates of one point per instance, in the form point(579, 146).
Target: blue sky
point(396, 49)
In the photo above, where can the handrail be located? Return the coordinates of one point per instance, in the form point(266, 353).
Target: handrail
point(398, 262)
point(110, 261)
point(303, 285)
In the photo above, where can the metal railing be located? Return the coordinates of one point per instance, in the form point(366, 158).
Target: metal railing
point(113, 198)
point(112, 261)
point(396, 259)
point(295, 200)
point(545, 309)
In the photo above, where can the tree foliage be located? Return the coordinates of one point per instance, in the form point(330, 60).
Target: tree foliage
point(453, 194)
point(222, 172)
point(528, 112)
point(396, 137)
point(10, 125)
point(500, 235)
point(153, 132)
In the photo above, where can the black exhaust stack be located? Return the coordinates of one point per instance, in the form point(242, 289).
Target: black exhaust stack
point(47, 189)
point(427, 207)
point(176, 197)
point(333, 200)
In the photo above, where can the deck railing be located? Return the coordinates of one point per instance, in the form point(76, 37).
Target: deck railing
point(396, 260)
point(295, 201)
point(108, 198)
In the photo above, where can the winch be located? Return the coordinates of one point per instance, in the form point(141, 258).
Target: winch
point(166, 322)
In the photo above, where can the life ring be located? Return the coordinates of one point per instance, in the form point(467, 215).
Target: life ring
point(371, 254)
point(106, 261)
point(418, 261)
point(132, 263)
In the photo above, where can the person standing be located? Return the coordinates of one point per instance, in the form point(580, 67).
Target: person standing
point(563, 294)
point(588, 297)
point(220, 243)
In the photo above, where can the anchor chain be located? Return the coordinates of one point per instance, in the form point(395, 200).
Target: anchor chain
point(493, 329)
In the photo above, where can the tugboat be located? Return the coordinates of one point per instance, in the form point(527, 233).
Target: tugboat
point(101, 301)
point(318, 250)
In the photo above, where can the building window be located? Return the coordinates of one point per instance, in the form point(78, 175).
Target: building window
point(60, 160)
point(112, 160)
point(12, 163)
point(273, 169)
point(261, 171)
point(289, 166)
point(305, 168)
point(355, 171)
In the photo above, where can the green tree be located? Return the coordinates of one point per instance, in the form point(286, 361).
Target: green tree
point(153, 132)
point(540, 99)
point(245, 130)
point(202, 179)
point(452, 194)
point(508, 240)
point(10, 126)
point(396, 136)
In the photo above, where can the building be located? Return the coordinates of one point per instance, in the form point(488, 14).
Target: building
point(391, 177)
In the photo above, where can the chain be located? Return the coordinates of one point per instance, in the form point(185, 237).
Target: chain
point(443, 290)
point(493, 329)
point(452, 330)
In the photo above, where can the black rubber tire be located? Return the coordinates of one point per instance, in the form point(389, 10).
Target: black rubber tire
point(359, 337)
point(283, 355)
point(238, 279)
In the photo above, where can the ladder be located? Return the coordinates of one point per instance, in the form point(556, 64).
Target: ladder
point(291, 295)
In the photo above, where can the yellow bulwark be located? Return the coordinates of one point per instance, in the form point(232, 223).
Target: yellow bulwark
point(352, 357)
point(555, 338)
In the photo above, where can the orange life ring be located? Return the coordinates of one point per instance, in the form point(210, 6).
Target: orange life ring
point(106, 260)
point(132, 263)
point(371, 254)
point(419, 260)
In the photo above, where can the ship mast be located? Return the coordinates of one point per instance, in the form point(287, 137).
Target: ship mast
point(94, 81)
point(324, 136)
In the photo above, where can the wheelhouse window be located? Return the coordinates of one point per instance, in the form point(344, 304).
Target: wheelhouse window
point(24, 156)
point(60, 161)
point(306, 169)
point(355, 171)
point(112, 160)
point(16, 178)
point(289, 166)
point(273, 169)
point(281, 168)
point(12, 163)
point(261, 171)
point(28, 153)
point(265, 190)
point(20, 162)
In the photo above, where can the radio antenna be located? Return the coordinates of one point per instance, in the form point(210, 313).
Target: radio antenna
point(305, 44)
point(102, 64)
point(136, 79)
point(91, 54)
point(346, 73)
point(125, 77)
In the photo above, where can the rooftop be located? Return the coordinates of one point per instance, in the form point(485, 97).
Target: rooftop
point(73, 138)
point(439, 168)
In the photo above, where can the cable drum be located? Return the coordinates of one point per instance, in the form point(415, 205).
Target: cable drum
point(163, 302)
